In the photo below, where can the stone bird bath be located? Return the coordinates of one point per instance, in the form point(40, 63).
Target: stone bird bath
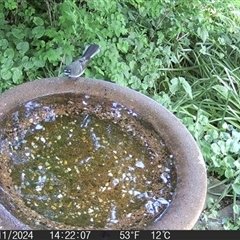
point(190, 181)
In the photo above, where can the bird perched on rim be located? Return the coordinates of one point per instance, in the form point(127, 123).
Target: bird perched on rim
point(77, 68)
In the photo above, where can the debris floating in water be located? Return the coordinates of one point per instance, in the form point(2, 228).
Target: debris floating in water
point(139, 164)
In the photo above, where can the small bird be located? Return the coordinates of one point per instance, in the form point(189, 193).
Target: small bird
point(77, 68)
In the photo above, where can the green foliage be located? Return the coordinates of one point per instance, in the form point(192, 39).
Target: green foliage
point(183, 54)
point(36, 46)
point(221, 148)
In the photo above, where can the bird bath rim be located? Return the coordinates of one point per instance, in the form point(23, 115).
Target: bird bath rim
point(190, 192)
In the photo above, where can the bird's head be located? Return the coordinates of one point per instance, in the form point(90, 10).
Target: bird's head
point(67, 71)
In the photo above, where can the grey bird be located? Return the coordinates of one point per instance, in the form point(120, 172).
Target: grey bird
point(77, 68)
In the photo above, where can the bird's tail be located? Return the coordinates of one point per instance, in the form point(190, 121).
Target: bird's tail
point(90, 51)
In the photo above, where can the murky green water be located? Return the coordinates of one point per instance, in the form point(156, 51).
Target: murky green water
point(84, 169)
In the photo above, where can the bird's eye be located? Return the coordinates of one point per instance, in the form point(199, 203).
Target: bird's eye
point(67, 70)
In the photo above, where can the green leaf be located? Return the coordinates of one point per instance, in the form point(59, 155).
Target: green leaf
point(27, 63)
point(236, 185)
point(25, 59)
point(52, 55)
point(235, 147)
point(203, 34)
point(204, 50)
point(8, 53)
point(40, 63)
point(17, 75)
point(180, 81)
point(18, 33)
point(203, 120)
point(6, 74)
point(123, 46)
point(10, 5)
point(222, 90)
point(68, 59)
point(216, 162)
point(23, 47)
point(38, 31)
point(8, 63)
point(236, 209)
point(3, 43)
point(237, 164)
point(174, 87)
point(38, 21)
point(216, 149)
point(186, 86)
point(236, 135)
point(135, 82)
point(222, 145)
point(212, 134)
point(132, 65)
point(229, 173)
point(228, 162)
